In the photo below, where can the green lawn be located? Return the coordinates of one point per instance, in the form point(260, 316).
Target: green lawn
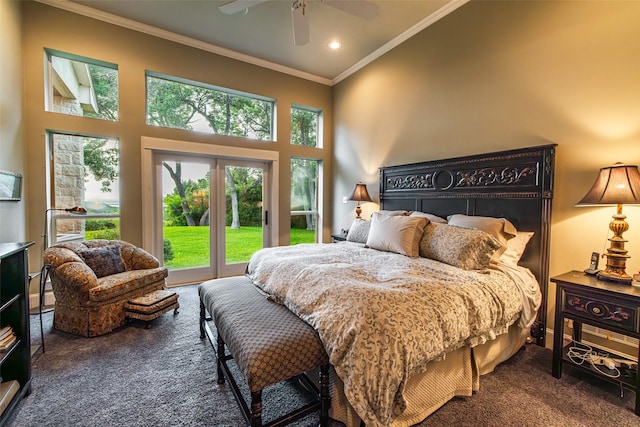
point(190, 245)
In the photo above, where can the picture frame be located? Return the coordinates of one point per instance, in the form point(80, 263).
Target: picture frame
point(10, 186)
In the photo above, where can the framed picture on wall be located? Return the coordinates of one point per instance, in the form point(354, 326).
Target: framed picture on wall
point(10, 186)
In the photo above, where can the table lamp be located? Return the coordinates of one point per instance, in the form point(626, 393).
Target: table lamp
point(360, 194)
point(616, 185)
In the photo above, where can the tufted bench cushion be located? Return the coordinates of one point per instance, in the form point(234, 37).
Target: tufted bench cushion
point(267, 341)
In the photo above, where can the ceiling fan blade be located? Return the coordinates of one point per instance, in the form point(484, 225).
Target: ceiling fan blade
point(360, 8)
point(238, 6)
point(300, 26)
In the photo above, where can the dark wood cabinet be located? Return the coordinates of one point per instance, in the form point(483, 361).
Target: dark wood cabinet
point(606, 305)
point(15, 360)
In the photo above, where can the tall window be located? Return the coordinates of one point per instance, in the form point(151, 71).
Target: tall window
point(304, 200)
point(85, 172)
point(81, 86)
point(181, 104)
point(305, 126)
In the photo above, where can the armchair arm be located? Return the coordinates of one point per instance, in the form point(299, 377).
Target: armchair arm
point(56, 256)
point(138, 259)
point(71, 278)
point(72, 281)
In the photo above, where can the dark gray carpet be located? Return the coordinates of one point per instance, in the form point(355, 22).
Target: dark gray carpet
point(165, 376)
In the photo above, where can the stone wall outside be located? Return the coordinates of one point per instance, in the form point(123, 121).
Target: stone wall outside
point(68, 165)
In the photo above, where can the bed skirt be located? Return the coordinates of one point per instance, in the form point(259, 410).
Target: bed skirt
point(457, 375)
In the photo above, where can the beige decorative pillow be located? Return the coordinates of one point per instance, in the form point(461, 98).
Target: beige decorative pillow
point(399, 234)
point(500, 228)
point(430, 217)
point(516, 247)
point(466, 248)
point(359, 231)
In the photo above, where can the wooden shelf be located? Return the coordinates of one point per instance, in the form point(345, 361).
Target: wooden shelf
point(15, 362)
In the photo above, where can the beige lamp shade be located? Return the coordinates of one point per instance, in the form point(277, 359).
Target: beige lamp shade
point(360, 193)
point(617, 184)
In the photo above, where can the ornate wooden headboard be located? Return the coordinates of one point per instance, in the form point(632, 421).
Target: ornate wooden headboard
point(515, 184)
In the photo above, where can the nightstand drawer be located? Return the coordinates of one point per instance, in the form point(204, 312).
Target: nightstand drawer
point(622, 315)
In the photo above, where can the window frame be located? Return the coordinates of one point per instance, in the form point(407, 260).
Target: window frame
point(208, 86)
point(49, 80)
point(51, 220)
point(317, 210)
point(319, 124)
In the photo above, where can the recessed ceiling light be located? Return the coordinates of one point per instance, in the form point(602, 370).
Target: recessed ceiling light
point(334, 44)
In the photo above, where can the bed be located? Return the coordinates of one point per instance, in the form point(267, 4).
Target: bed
point(443, 284)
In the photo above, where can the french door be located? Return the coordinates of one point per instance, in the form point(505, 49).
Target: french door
point(211, 214)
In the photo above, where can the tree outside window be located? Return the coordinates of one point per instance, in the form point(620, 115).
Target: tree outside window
point(202, 108)
point(305, 126)
point(304, 200)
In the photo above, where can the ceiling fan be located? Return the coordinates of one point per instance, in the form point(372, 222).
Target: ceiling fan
point(360, 8)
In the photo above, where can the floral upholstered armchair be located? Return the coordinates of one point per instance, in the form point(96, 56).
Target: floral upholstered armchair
point(92, 280)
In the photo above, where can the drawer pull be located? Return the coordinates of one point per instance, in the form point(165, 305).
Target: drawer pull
point(598, 309)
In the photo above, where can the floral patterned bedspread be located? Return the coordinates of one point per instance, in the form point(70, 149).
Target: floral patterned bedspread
point(382, 316)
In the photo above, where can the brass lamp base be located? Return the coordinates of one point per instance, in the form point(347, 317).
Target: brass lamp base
point(358, 211)
point(624, 278)
point(617, 254)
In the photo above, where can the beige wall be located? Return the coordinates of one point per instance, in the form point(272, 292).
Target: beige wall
point(490, 76)
point(12, 152)
point(48, 27)
point(501, 75)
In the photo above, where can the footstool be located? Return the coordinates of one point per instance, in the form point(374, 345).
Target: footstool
point(152, 305)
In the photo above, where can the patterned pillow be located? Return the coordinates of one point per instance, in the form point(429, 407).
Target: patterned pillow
point(103, 260)
point(465, 248)
point(500, 228)
point(359, 231)
point(399, 234)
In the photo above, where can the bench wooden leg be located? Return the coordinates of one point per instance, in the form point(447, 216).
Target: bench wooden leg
point(256, 408)
point(325, 396)
point(219, 360)
point(203, 318)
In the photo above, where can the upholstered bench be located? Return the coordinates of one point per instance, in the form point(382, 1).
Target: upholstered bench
point(268, 343)
point(152, 305)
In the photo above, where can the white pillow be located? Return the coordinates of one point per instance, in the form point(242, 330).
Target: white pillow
point(516, 247)
point(430, 217)
point(399, 234)
point(391, 213)
point(359, 231)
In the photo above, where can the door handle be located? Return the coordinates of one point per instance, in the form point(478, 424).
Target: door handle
point(266, 217)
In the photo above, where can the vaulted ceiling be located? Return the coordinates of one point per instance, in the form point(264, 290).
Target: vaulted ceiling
point(264, 34)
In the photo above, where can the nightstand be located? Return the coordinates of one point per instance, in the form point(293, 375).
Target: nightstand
point(335, 238)
point(611, 306)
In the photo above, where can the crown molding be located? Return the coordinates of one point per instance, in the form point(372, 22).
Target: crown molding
point(209, 47)
point(187, 41)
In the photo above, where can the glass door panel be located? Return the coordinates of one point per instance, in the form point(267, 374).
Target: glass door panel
point(211, 215)
point(185, 217)
point(245, 214)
